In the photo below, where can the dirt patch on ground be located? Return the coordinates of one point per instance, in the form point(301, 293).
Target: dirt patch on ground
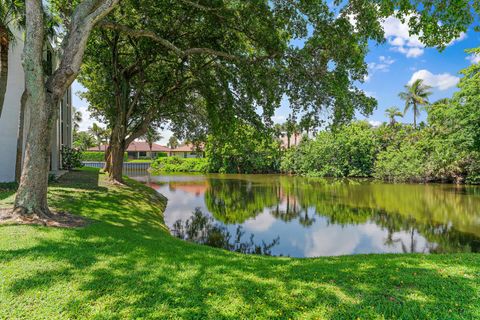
point(56, 219)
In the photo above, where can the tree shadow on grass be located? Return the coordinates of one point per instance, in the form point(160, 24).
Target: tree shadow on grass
point(128, 266)
point(86, 178)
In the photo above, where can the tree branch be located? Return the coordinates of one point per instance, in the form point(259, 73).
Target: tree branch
point(169, 45)
point(84, 18)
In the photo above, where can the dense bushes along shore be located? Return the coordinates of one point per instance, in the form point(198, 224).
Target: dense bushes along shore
point(446, 149)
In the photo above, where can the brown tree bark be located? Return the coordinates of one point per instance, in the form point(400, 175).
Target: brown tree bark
point(31, 198)
point(44, 94)
point(116, 150)
point(21, 124)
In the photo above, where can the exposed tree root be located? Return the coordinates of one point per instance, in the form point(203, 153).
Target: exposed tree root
point(41, 217)
point(116, 182)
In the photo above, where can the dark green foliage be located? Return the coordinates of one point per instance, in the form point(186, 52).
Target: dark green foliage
point(71, 158)
point(244, 149)
point(83, 140)
point(7, 189)
point(177, 164)
point(448, 148)
point(348, 151)
point(162, 154)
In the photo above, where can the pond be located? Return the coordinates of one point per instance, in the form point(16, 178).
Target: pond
point(326, 217)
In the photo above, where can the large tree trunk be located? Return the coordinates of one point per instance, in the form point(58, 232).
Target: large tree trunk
point(116, 163)
point(116, 150)
point(31, 198)
point(4, 45)
point(21, 123)
point(106, 167)
point(44, 94)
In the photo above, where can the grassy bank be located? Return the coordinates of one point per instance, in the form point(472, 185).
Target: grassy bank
point(126, 265)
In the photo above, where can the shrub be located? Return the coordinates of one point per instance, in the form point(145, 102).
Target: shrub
point(245, 150)
point(71, 158)
point(348, 152)
point(97, 156)
point(176, 164)
point(162, 155)
point(406, 163)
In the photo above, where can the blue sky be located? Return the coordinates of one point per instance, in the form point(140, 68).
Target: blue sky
point(393, 64)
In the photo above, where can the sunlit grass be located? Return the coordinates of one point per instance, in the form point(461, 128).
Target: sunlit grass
point(125, 265)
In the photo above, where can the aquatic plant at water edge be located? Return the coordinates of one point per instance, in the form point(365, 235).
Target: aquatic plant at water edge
point(202, 229)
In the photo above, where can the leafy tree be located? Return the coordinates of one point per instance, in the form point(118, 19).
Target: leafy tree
point(415, 96)
point(245, 150)
point(76, 118)
point(99, 133)
point(392, 113)
point(349, 151)
point(45, 90)
point(83, 140)
point(173, 142)
point(230, 60)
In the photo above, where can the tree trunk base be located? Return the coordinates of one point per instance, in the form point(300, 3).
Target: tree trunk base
point(116, 182)
point(47, 218)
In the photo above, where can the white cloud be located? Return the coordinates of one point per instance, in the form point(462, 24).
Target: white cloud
point(383, 65)
point(370, 94)
point(473, 58)
point(442, 81)
point(279, 118)
point(461, 37)
point(397, 35)
point(400, 40)
point(375, 123)
point(260, 223)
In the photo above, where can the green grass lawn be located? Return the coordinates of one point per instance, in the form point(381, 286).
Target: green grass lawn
point(125, 265)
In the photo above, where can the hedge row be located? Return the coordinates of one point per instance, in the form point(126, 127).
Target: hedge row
point(97, 156)
point(176, 164)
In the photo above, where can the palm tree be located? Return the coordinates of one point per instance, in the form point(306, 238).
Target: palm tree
point(77, 118)
point(393, 112)
point(99, 134)
point(415, 96)
point(173, 142)
point(151, 136)
point(11, 14)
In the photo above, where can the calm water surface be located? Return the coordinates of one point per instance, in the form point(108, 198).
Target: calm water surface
point(321, 217)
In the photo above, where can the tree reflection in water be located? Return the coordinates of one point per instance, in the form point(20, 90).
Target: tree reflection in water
point(202, 229)
point(380, 217)
point(445, 215)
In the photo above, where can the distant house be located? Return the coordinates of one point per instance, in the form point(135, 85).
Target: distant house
point(140, 150)
point(188, 151)
point(10, 117)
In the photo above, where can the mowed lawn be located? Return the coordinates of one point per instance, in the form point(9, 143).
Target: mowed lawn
point(125, 265)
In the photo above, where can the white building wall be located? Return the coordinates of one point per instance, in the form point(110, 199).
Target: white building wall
point(9, 119)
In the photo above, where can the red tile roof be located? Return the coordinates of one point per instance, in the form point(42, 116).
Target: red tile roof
point(187, 148)
point(135, 146)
